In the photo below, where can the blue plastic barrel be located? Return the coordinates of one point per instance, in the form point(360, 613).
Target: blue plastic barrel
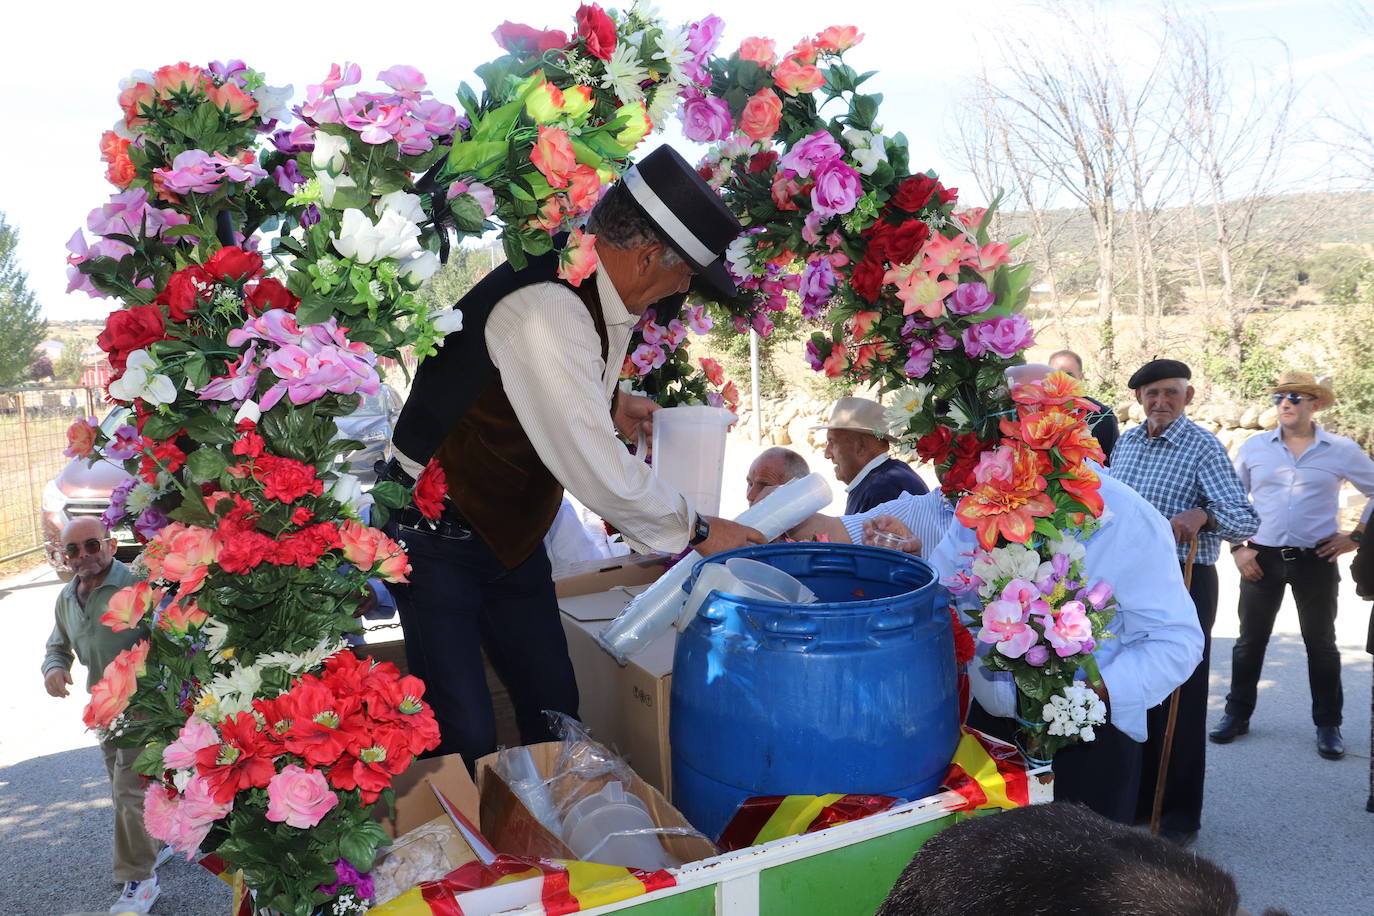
point(856, 693)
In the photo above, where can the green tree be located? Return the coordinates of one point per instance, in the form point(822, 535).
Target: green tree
point(68, 366)
point(464, 268)
point(21, 328)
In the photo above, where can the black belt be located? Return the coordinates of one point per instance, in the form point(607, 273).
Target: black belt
point(1289, 554)
point(450, 522)
point(392, 470)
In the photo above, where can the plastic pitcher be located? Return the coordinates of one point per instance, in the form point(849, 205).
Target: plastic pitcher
point(613, 827)
point(689, 452)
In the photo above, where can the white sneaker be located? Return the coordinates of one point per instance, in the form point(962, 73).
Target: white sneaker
point(138, 897)
point(163, 856)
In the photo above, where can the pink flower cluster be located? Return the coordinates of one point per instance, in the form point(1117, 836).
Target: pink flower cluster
point(835, 186)
point(309, 362)
point(127, 213)
point(659, 341)
point(200, 172)
point(407, 114)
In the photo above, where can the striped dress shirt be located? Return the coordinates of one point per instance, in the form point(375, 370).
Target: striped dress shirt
point(1186, 467)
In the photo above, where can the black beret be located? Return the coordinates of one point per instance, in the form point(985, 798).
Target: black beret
point(1157, 370)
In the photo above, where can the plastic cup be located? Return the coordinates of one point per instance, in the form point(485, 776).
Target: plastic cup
point(606, 828)
point(889, 540)
point(768, 581)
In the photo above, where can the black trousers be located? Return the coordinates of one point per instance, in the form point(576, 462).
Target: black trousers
point(1315, 583)
point(1183, 788)
point(460, 598)
point(1103, 774)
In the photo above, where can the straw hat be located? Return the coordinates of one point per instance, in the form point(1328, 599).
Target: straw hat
point(1306, 383)
point(860, 415)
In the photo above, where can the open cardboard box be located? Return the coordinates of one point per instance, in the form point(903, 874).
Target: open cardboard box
point(512, 829)
point(417, 799)
point(593, 576)
point(626, 708)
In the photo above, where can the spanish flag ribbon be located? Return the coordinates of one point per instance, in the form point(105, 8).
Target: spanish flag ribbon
point(568, 887)
point(243, 897)
point(988, 773)
point(772, 817)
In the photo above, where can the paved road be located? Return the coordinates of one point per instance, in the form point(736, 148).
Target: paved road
point(1289, 825)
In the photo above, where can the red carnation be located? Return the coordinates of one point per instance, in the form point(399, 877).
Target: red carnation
point(250, 444)
point(915, 193)
point(597, 29)
point(131, 329)
point(286, 479)
point(304, 548)
point(167, 454)
point(431, 489)
point(300, 515)
point(867, 278)
point(934, 447)
point(234, 265)
point(269, 294)
point(964, 647)
point(242, 551)
point(239, 763)
point(523, 39)
point(186, 290)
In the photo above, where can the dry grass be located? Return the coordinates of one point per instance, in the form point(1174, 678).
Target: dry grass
point(30, 455)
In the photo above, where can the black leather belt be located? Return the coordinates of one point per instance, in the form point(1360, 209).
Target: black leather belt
point(392, 470)
point(1289, 554)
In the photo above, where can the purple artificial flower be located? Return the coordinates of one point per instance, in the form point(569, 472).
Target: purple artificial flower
point(1003, 336)
point(126, 443)
point(276, 326)
point(817, 283)
point(310, 216)
point(970, 299)
point(706, 119)
point(919, 359)
point(677, 333)
point(838, 188)
point(288, 177)
point(741, 324)
point(1098, 595)
point(150, 521)
point(234, 71)
point(405, 79)
point(698, 321)
point(1037, 655)
point(1060, 564)
point(647, 358)
point(704, 36)
point(192, 170)
point(944, 340)
point(813, 356)
point(348, 876)
point(114, 513)
point(129, 213)
point(375, 124)
point(812, 152)
point(299, 139)
point(762, 324)
point(654, 334)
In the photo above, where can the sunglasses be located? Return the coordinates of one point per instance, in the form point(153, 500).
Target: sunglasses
point(92, 546)
point(1292, 397)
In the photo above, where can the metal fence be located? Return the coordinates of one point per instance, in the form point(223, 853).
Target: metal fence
point(33, 433)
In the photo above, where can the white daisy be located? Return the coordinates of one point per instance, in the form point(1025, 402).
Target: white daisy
point(624, 73)
point(663, 104)
point(672, 50)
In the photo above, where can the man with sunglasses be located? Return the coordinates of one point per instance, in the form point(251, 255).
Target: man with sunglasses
point(1294, 473)
point(89, 551)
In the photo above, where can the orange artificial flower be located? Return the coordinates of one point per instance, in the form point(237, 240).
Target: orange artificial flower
point(1041, 430)
point(1082, 483)
point(994, 511)
point(553, 156)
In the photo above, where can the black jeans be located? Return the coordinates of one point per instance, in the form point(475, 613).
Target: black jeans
point(1315, 583)
point(460, 598)
point(1181, 811)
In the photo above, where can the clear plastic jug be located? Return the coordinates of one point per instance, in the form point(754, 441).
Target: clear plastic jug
point(689, 452)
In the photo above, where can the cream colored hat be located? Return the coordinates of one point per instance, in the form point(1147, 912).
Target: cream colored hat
point(1306, 383)
point(860, 415)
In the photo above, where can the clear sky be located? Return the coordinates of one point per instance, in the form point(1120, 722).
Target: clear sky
point(64, 59)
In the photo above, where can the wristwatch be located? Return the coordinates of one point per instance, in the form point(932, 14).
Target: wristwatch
point(701, 530)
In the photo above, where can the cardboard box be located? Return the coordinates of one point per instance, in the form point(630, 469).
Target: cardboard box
point(416, 802)
point(595, 576)
point(513, 830)
point(625, 708)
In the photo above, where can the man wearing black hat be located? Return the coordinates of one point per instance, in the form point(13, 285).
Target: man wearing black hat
point(520, 404)
point(1185, 473)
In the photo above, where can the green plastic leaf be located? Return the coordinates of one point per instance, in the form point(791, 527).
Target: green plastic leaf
point(391, 494)
point(206, 463)
point(149, 760)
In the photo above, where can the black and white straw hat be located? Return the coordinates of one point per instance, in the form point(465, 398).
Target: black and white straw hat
point(688, 212)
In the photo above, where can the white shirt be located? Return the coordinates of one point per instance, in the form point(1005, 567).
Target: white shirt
point(1297, 498)
point(1158, 640)
point(542, 340)
point(863, 472)
point(927, 516)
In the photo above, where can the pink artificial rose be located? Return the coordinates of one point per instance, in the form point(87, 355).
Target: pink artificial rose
point(577, 261)
point(128, 606)
point(836, 363)
point(367, 548)
point(995, 464)
point(553, 156)
point(793, 77)
point(1069, 629)
point(81, 437)
point(762, 51)
point(299, 798)
point(838, 38)
point(811, 152)
point(705, 119)
point(714, 373)
point(194, 735)
point(837, 189)
point(761, 115)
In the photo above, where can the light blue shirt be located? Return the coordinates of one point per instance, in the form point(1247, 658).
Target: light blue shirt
point(926, 515)
point(1297, 498)
point(1158, 640)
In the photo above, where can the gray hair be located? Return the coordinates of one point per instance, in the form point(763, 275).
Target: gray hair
point(793, 465)
point(618, 222)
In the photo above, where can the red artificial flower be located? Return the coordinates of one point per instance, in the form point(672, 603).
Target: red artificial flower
point(345, 672)
point(958, 478)
point(867, 279)
point(904, 240)
point(596, 29)
point(186, 290)
point(399, 701)
point(234, 265)
point(238, 519)
point(130, 329)
point(935, 446)
point(431, 489)
point(964, 647)
point(243, 551)
point(286, 479)
point(370, 764)
point(165, 453)
point(300, 515)
point(1083, 484)
point(250, 444)
point(240, 762)
point(269, 294)
point(317, 717)
point(304, 548)
point(762, 162)
point(947, 195)
point(276, 718)
point(524, 40)
point(914, 194)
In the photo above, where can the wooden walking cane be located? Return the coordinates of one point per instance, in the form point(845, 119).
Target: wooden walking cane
point(1168, 747)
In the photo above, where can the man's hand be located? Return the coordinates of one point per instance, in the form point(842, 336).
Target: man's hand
point(56, 681)
point(1187, 524)
point(1328, 548)
point(1247, 564)
point(634, 416)
point(891, 525)
point(368, 602)
point(727, 535)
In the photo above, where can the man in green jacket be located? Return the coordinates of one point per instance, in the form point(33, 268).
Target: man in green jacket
point(78, 632)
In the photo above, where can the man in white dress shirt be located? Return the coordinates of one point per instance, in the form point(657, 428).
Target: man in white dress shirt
point(1294, 473)
point(521, 404)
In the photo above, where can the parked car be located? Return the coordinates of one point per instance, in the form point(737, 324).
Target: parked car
point(83, 489)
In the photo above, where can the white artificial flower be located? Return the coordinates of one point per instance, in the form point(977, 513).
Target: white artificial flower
point(136, 77)
point(857, 138)
point(181, 778)
point(665, 101)
point(392, 236)
point(739, 257)
point(140, 380)
point(272, 102)
point(330, 185)
point(421, 267)
point(446, 320)
point(1000, 565)
point(624, 73)
point(298, 662)
point(906, 403)
point(249, 411)
point(869, 158)
point(672, 50)
point(216, 632)
point(328, 154)
point(140, 497)
point(1070, 546)
point(406, 204)
point(348, 491)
